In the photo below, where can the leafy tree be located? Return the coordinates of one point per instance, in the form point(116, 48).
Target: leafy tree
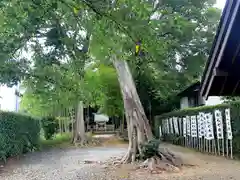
point(111, 104)
point(65, 35)
point(99, 87)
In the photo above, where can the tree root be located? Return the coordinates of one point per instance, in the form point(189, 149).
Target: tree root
point(167, 156)
point(156, 165)
point(163, 161)
point(126, 158)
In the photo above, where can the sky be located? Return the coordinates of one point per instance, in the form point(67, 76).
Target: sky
point(220, 3)
point(8, 100)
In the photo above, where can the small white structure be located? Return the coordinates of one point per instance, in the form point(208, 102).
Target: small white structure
point(98, 118)
point(101, 122)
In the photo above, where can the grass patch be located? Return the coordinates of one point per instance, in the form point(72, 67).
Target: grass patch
point(64, 141)
point(59, 140)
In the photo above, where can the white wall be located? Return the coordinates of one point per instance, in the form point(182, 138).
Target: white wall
point(184, 102)
point(213, 100)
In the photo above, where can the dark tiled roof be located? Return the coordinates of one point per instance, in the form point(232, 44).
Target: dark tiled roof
point(190, 90)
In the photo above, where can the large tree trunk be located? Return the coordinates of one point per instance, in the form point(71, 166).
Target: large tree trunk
point(122, 124)
point(79, 127)
point(139, 130)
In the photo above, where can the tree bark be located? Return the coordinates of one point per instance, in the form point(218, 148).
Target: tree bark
point(139, 130)
point(122, 123)
point(79, 129)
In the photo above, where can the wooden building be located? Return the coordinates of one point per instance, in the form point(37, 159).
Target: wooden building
point(222, 72)
point(191, 97)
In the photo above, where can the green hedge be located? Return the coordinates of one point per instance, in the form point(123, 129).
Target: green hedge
point(18, 134)
point(234, 113)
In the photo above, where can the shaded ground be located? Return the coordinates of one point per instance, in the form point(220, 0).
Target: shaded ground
point(68, 164)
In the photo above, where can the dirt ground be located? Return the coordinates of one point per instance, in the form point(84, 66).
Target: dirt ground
point(200, 167)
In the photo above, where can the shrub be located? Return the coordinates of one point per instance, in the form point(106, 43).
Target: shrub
point(235, 120)
point(18, 134)
point(150, 148)
point(50, 126)
point(175, 139)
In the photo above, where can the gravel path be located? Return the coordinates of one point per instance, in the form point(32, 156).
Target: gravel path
point(67, 164)
point(60, 164)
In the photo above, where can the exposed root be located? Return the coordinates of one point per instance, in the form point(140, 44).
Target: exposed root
point(163, 161)
point(156, 165)
point(167, 156)
point(126, 158)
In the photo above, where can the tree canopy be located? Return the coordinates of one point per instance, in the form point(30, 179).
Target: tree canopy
point(50, 47)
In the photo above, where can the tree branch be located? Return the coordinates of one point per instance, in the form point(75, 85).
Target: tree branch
point(103, 14)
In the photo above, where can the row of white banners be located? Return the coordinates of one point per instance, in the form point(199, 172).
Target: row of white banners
point(200, 125)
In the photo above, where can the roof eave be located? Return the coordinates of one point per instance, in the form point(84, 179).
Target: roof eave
point(217, 50)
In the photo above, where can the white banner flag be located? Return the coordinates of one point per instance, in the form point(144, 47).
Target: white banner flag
point(209, 126)
point(184, 127)
point(228, 124)
point(180, 126)
point(175, 123)
point(160, 131)
point(168, 128)
point(193, 126)
point(171, 125)
point(219, 124)
point(165, 126)
point(188, 125)
point(201, 124)
point(164, 129)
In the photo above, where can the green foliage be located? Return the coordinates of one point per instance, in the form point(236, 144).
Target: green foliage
point(234, 114)
point(176, 37)
point(111, 102)
point(18, 134)
point(229, 99)
point(173, 138)
point(192, 111)
point(57, 140)
point(99, 87)
point(50, 127)
point(150, 148)
point(176, 42)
